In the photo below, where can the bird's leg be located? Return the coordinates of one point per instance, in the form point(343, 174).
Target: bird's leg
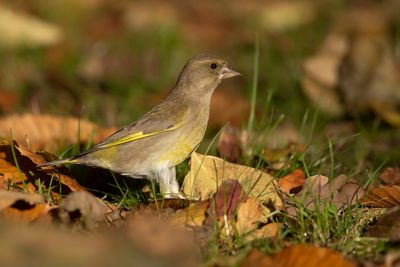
point(169, 186)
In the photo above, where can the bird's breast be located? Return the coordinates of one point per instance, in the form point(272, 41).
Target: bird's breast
point(186, 139)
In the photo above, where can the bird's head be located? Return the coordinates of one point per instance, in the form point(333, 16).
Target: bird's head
point(203, 73)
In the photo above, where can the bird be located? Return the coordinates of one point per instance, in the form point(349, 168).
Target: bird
point(166, 135)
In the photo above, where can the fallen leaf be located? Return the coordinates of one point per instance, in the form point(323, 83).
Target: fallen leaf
point(21, 29)
point(292, 182)
point(50, 132)
point(321, 74)
point(225, 202)
point(83, 206)
point(391, 176)
point(22, 207)
point(21, 172)
point(280, 157)
point(249, 214)
point(208, 172)
point(387, 225)
point(317, 192)
point(229, 144)
point(193, 215)
point(298, 256)
point(356, 69)
point(9, 198)
point(384, 196)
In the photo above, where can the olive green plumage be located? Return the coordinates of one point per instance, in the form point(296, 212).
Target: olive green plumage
point(165, 136)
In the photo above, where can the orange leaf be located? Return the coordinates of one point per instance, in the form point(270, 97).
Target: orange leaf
point(384, 196)
point(298, 256)
point(292, 181)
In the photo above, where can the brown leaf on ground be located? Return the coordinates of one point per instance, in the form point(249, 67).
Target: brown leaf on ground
point(249, 214)
point(22, 173)
point(193, 215)
point(321, 74)
point(208, 172)
point(384, 196)
point(298, 256)
point(229, 144)
point(50, 132)
point(391, 176)
point(280, 158)
point(230, 193)
point(226, 200)
point(22, 207)
point(387, 225)
point(356, 70)
point(317, 192)
point(79, 206)
point(292, 182)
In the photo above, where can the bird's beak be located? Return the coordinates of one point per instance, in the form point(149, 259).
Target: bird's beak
point(227, 72)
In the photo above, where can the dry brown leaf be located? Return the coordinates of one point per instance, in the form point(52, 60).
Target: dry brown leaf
point(208, 172)
point(83, 205)
point(193, 215)
point(280, 157)
point(387, 225)
point(292, 182)
point(249, 214)
point(317, 193)
point(24, 175)
point(356, 68)
point(50, 132)
point(384, 196)
point(22, 29)
point(298, 256)
point(22, 207)
point(9, 198)
point(391, 176)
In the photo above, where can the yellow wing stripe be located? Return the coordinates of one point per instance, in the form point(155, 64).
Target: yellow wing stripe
point(135, 136)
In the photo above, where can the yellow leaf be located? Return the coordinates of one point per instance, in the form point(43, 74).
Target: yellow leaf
point(207, 173)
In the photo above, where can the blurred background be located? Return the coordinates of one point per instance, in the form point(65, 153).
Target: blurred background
point(327, 69)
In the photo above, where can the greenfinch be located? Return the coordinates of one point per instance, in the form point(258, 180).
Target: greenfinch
point(166, 135)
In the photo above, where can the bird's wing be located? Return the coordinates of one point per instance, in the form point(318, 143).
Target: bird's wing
point(153, 123)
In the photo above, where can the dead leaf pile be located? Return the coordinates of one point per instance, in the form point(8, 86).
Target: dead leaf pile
point(235, 213)
point(318, 192)
point(356, 64)
point(18, 171)
point(207, 173)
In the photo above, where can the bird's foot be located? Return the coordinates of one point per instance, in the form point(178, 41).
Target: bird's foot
point(175, 195)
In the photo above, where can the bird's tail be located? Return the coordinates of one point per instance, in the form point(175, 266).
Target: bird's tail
point(57, 162)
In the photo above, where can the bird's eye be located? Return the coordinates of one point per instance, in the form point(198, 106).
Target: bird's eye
point(213, 66)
